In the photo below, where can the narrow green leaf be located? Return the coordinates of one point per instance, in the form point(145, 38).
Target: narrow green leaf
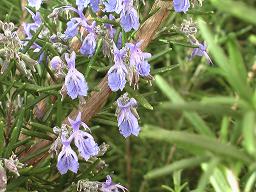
point(200, 107)
point(59, 111)
point(7, 90)
point(236, 8)
point(164, 69)
point(249, 132)
point(250, 184)
point(33, 39)
point(35, 101)
point(218, 180)
point(100, 69)
point(37, 134)
point(236, 60)
point(198, 141)
point(51, 87)
point(229, 71)
point(1, 137)
point(93, 59)
point(22, 142)
point(209, 170)
point(178, 165)
point(158, 55)
point(224, 128)
point(15, 183)
point(15, 133)
point(41, 127)
point(105, 122)
point(35, 154)
point(194, 118)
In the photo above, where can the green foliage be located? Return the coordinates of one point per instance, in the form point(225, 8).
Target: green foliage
point(198, 120)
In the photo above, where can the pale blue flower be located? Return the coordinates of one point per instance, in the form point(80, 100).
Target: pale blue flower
point(113, 6)
point(138, 59)
point(181, 5)
point(109, 186)
point(74, 81)
point(67, 158)
point(81, 4)
point(201, 51)
point(84, 142)
point(129, 18)
point(56, 63)
point(127, 116)
point(112, 31)
point(88, 45)
point(117, 73)
point(35, 3)
point(72, 28)
point(95, 5)
point(37, 48)
point(28, 27)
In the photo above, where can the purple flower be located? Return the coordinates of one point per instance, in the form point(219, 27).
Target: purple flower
point(35, 3)
point(37, 48)
point(113, 6)
point(77, 123)
point(138, 59)
point(89, 42)
point(95, 5)
point(129, 17)
point(81, 4)
point(74, 81)
point(84, 3)
point(109, 186)
point(117, 73)
point(181, 5)
point(57, 64)
point(74, 24)
point(28, 27)
point(112, 31)
point(88, 45)
point(83, 140)
point(67, 158)
point(201, 51)
point(72, 28)
point(127, 116)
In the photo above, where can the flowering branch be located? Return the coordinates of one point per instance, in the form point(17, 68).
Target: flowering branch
point(97, 99)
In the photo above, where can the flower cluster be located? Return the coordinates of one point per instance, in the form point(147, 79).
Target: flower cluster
point(201, 51)
point(181, 5)
point(35, 3)
point(127, 116)
point(188, 28)
point(12, 164)
point(128, 15)
point(10, 45)
point(75, 84)
point(87, 147)
point(129, 64)
point(107, 186)
point(33, 27)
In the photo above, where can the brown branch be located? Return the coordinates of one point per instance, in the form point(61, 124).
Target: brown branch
point(146, 34)
point(97, 99)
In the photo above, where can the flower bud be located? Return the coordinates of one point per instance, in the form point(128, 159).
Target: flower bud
point(30, 62)
point(11, 166)
point(3, 178)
